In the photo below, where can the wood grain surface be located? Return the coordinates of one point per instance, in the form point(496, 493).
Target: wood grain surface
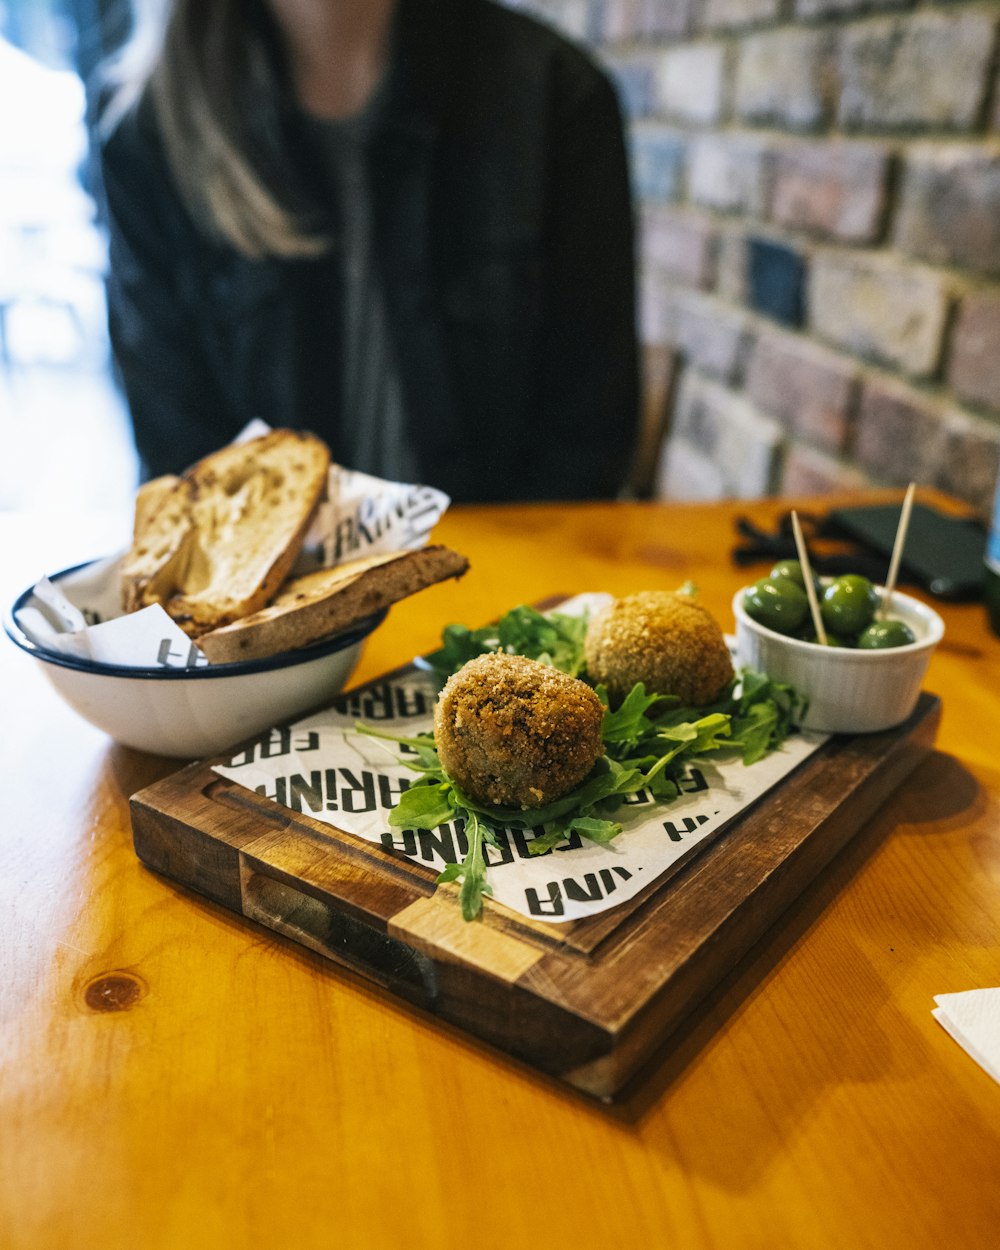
point(170, 1076)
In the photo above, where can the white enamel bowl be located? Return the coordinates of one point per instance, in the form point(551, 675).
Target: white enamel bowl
point(190, 713)
point(849, 691)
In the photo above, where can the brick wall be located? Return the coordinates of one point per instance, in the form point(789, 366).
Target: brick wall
point(818, 190)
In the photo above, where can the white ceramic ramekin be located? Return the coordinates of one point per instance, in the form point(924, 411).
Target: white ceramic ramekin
point(849, 691)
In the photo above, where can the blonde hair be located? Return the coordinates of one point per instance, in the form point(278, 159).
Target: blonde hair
point(211, 73)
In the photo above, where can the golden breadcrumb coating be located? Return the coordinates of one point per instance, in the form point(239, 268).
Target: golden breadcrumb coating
point(513, 732)
point(668, 641)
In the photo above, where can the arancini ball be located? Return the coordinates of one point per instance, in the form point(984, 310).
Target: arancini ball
point(665, 639)
point(514, 732)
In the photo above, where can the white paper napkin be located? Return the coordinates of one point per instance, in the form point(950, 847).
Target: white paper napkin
point(973, 1020)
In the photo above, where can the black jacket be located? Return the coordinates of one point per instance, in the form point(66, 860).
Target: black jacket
point(503, 225)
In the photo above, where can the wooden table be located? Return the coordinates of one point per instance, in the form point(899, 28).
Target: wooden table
point(172, 1076)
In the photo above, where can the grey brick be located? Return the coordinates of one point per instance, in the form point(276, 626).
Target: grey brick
point(970, 459)
point(831, 188)
point(949, 212)
point(785, 77)
point(900, 433)
point(926, 69)
point(724, 426)
point(658, 157)
point(974, 359)
point(807, 471)
point(709, 334)
point(678, 245)
point(691, 82)
point(878, 308)
point(730, 14)
point(730, 172)
point(808, 388)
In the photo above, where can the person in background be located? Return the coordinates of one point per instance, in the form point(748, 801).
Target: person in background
point(402, 224)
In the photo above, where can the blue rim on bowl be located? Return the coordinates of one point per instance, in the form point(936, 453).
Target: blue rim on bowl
point(286, 659)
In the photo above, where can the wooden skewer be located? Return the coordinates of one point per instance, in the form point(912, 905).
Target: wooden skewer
point(800, 544)
point(897, 549)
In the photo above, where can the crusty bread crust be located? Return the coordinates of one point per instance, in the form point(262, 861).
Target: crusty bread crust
point(148, 499)
point(329, 602)
point(162, 535)
point(221, 541)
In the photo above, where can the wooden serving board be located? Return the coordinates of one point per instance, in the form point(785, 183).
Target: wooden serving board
point(587, 1001)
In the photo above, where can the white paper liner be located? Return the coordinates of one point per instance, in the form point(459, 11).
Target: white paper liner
point(322, 767)
point(78, 616)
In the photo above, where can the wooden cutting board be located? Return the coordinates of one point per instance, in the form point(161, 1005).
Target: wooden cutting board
point(588, 1001)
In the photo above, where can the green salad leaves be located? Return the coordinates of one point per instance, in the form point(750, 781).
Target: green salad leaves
point(553, 638)
point(649, 740)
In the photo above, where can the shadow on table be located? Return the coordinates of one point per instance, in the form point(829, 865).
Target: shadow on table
point(940, 797)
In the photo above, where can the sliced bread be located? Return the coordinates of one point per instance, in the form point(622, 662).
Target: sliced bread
point(162, 534)
point(330, 601)
point(148, 499)
point(224, 537)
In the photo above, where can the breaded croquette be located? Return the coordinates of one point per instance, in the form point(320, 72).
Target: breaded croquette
point(666, 640)
point(513, 732)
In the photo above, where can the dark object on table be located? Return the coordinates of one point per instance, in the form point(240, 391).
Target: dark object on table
point(943, 554)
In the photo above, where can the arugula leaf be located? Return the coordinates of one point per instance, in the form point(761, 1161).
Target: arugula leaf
point(630, 722)
point(606, 783)
point(422, 746)
point(662, 786)
point(472, 870)
point(765, 715)
point(692, 738)
point(424, 805)
point(554, 638)
point(591, 827)
point(459, 645)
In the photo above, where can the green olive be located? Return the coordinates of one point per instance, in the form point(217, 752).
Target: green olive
point(848, 604)
point(777, 604)
point(791, 570)
point(880, 634)
point(832, 640)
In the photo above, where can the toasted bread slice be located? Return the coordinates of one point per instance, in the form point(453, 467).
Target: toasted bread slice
point(162, 535)
point(223, 538)
point(148, 499)
point(253, 503)
point(330, 601)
